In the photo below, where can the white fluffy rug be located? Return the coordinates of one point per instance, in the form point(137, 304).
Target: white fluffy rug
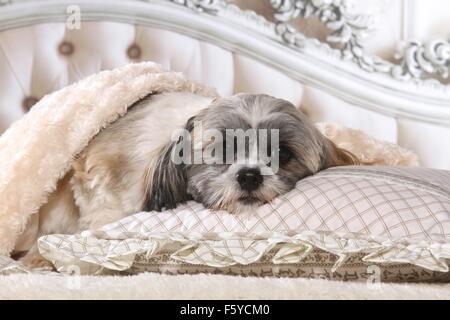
point(155, 286)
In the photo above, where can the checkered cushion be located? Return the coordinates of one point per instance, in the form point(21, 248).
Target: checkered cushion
point(387, 214)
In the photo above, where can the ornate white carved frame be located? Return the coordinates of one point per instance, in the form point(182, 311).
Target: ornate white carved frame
point(410, 88)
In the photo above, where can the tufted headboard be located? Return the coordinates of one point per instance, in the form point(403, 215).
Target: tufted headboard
point(48, 44)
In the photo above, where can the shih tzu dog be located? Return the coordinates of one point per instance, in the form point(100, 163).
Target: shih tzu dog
point(138, 163)
point(226, 182)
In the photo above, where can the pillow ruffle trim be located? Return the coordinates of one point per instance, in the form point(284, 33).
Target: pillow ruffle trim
point(90, 254)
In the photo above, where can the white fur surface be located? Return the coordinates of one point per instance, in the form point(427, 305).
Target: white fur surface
point(203, 286)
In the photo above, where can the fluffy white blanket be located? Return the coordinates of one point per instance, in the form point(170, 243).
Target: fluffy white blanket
point(38, 150)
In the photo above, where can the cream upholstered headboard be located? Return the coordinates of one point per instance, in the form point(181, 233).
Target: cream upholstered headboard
point(47, 44)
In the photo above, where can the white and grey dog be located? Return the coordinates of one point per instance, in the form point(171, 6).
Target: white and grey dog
point(130, 167)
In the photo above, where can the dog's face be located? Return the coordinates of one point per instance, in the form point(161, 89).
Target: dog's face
point(253, 148)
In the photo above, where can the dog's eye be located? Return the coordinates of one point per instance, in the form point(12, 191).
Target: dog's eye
point(284, 155)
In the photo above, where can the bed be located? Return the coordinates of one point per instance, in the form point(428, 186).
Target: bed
point(46, 45)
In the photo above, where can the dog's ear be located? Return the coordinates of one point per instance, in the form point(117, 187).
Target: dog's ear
point(333, 156)
point(165, 181)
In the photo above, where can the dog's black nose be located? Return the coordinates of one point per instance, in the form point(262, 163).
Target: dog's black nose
point(249, 179)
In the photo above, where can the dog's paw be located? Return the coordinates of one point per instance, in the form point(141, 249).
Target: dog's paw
point(36, 261)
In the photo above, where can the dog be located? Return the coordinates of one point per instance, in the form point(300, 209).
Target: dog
point(130, 166)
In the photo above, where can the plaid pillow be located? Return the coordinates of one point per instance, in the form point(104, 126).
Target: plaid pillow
point(384, 215)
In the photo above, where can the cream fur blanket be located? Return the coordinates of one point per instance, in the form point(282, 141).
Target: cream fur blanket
point(38, 150)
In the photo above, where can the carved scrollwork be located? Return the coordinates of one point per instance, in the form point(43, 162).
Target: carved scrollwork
point(347, 29)
point(347, 34)
point(418, 60)
point(208, 6)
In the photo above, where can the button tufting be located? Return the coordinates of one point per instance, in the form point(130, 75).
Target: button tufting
point(28, 102)
point(66, 48)
point(134, 51)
